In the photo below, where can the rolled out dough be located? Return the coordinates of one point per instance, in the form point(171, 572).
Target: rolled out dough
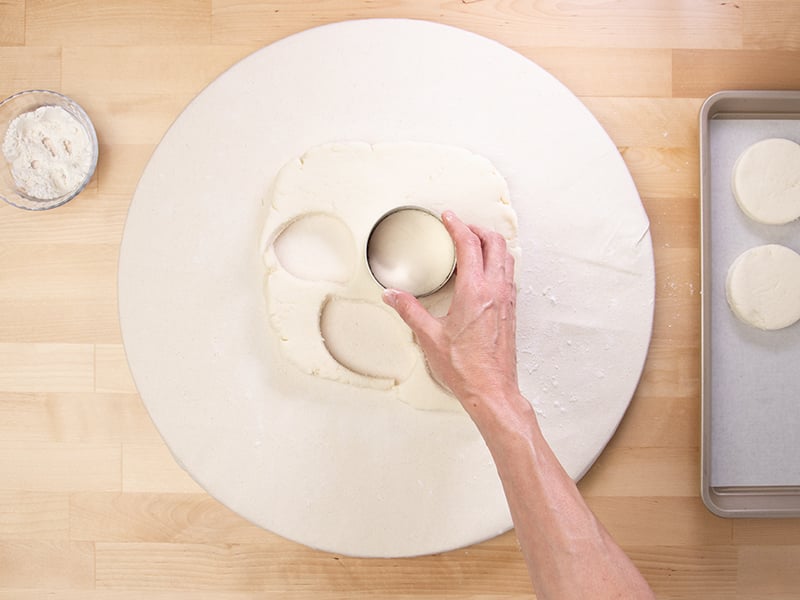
point(368, 475)
point(763, 286)
point(349, 186)
point(766, 181)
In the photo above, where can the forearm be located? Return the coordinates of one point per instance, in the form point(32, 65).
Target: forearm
point(568, 552)
point(472, 351)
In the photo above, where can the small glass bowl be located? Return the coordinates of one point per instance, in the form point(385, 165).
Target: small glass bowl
point(27, 101)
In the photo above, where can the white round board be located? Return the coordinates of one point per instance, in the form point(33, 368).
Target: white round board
point(360, 475)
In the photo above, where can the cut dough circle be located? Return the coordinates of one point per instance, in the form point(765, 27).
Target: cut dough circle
point(766, 181)
point(316, 247)
point(763, 287)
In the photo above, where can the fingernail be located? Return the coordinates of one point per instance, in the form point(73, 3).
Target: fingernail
point(390, 297)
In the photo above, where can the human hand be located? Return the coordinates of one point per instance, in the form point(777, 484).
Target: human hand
point(472, 349)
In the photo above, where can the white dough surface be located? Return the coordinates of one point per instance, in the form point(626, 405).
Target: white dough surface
point(368, 474)
point(763, 286)
point(766, 181)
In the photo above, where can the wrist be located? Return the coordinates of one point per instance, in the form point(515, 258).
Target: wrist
point(501, 415)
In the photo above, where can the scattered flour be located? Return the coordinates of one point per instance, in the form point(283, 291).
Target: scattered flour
point(49, 152)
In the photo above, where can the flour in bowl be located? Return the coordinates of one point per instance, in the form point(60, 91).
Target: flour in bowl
point(49, 152)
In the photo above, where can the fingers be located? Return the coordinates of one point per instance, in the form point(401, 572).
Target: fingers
point(412, 312)
point(495, 252)
point(509, 265)
point(469, 252)
point(479, 251)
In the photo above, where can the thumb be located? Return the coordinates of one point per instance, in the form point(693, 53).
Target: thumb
point(411, 311)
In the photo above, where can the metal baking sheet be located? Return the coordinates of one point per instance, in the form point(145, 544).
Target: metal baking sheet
point(751, 378)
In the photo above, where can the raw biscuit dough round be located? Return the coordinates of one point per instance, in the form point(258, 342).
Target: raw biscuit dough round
point(766, 181)
point(763, 287)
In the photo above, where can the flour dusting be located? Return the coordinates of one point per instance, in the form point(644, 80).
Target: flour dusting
point(49, 152)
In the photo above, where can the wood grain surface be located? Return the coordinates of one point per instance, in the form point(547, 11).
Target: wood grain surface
point(93, 506)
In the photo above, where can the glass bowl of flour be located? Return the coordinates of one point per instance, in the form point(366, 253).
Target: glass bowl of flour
point(49, 149)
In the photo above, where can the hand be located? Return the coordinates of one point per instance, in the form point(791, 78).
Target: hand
point(471, 350)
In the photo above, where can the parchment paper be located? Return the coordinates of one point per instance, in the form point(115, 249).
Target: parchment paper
point(755, 375)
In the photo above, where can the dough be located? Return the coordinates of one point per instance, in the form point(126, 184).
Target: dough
point(324, 305)
point(369, 475)
point(763, 287)
point(766, 181)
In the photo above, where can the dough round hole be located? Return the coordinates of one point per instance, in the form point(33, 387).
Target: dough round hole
point(763, 287)
point(317, 247)
point(367, 338)
point(766, 181)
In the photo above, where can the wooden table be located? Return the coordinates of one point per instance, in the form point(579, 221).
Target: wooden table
point(92, 504)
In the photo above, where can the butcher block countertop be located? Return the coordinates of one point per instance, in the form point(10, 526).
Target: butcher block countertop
point(93, 506)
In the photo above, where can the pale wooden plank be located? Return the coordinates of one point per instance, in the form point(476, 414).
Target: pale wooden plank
point(688, 572)
point(104, 594)
point(12, 23)
point(623, 24)
point(34, 516)
point(141, 69)
point(608, 71)
point(131, 118)
point(119, 172)
point(771, 25)
point(676, 322)
point(661, 521)
point(75, 417)
point(629, 23)
point(46, 367)
point(700, 73)
point(673, 222)
point(60, 467)
point(287, 593)
point(272, 569)
point(664, 173)
point(283, 594)
point(253, 22)
point(58, 292)
point(657, 421)
point(768, 571)
point(668, 122)
point(90, 218)
point(117, 22)
point(770, 532)
point(54, 565)
point(143, 517)
point(45, 322)
point(111, 370)
point(647, 472)
point(671, 374)
point(152, 468)
point(28, 68)
point(77, 271)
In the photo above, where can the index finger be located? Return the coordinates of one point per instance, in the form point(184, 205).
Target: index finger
point(495, 250)
point(469, 249)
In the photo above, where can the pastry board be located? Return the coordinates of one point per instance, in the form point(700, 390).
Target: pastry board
point(362, 475)
point(751, 380)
